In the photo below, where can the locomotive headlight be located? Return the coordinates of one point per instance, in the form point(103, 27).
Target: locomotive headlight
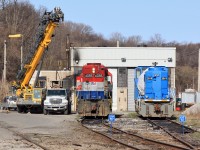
point(93, 70)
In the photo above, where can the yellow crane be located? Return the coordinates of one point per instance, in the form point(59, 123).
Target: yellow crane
point(30, 97)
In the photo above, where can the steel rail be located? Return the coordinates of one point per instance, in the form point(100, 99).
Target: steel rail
point(24, 137)
point(193, 130)
point(175, 137)
point(151, 140)
point(133, 135)
point(100, 133)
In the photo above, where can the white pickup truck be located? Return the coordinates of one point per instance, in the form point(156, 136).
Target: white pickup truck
point(56, 101)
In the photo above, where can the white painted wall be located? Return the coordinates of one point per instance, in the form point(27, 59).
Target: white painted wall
point(135, 56)
point(131, 102)
point(114, 94)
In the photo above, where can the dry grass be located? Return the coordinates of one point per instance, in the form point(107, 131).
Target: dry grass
point(195, 135)
point(191, 120)
point(4, 89)
point(132, 115)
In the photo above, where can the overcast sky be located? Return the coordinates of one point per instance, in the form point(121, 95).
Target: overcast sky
point(175, 20)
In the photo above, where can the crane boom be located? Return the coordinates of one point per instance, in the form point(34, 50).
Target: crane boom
point(48, 23)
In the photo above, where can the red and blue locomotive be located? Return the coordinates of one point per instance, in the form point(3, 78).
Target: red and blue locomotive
point(94, 90)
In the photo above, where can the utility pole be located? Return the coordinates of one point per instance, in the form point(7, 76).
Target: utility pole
point(4, 68)
point(68, 52)
point(199, 72)
point(21, 49)
point(22, 53)
point(193, 82)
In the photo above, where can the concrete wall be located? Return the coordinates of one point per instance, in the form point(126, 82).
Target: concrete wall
point(114, 93)
point(51, 75)
point(131, 102)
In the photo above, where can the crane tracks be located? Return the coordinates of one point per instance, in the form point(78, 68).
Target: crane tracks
point(131, 140)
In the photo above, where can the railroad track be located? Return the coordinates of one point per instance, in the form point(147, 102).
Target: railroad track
point(176, 130)
point(131, 140)
point(24, 137)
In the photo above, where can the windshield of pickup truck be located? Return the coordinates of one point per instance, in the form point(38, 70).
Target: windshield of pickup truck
point(56, 92)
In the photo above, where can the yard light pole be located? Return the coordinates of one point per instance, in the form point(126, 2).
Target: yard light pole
point(4, 68)
point(19, 36)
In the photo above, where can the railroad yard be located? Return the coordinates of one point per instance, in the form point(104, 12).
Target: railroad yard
point(64, 86)
point(38, 131)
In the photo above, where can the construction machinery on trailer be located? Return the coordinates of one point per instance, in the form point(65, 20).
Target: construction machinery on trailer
point(29, 96)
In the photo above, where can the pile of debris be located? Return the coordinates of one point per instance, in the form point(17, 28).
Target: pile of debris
point(193, 110)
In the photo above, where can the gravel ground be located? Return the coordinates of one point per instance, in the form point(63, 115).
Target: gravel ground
point(8, 140)
point(51, 131)
point(63, 132)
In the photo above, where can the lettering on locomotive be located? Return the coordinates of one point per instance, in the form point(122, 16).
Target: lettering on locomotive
point(88, 75)
point(98, 75)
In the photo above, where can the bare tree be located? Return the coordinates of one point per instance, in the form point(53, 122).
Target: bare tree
point(186, 76)
point(3, 4)
point(134, 40)
point(156, 41)
point(17, 18)
point(116, 36)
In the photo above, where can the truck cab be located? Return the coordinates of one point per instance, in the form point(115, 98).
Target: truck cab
point(56, 100)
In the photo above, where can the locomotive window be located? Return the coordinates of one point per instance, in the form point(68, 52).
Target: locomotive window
point(88, 75)
point(98, 75)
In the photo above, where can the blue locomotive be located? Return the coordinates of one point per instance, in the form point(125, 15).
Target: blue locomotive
point(152, 93)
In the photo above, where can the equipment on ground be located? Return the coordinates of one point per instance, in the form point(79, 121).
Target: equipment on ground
point(153, 98)
point(30, 97)
point(94, 90)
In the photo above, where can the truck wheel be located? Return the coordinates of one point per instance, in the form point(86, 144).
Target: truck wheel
point(44, 111)
point(25, 110)
point(19, 109)
point(66, 112)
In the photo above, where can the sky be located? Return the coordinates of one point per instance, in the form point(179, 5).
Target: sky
point(174, 20)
